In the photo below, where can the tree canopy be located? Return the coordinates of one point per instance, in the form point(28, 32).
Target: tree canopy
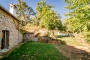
point(24, 12)
point(47, 17)
point(79, 15)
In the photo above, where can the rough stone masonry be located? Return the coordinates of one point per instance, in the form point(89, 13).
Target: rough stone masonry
point(10, 23)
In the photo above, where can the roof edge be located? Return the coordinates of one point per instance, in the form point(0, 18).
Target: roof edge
point(4, 9)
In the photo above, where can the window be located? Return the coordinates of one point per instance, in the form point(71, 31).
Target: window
point(28, 34)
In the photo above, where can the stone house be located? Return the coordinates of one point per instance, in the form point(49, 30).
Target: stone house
point(9, 28)
point(29, 36)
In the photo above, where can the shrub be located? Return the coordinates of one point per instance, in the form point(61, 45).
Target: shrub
point(87, 36)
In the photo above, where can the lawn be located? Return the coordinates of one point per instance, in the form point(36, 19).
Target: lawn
point(35, 51)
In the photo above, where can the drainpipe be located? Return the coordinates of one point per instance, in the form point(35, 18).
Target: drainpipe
point(5, 39)
point(18, 32)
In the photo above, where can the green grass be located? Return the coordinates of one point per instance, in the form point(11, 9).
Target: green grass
point(35, 51)
point(70, 41)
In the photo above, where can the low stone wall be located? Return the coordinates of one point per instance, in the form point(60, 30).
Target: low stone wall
point(49, 40)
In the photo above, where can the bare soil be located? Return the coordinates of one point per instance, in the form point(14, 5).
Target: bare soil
point(75, 52)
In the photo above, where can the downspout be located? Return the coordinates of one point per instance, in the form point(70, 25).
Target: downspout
point(18, 32)
point(5, 39)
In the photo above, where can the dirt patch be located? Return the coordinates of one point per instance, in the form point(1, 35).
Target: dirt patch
point(74, 52)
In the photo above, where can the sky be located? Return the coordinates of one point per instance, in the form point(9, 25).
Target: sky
point(58, 5)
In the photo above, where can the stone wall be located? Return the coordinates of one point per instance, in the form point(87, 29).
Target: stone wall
point(28, 37)
point(7, 22)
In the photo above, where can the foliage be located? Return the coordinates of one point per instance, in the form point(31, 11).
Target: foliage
point(47, 17)
point(24, 12)
point(79, 15)
point(87, 36)
point(48, 34)
point(35, 51)
point(22, 31)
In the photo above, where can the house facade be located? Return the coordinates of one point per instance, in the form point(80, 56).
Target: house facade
point(28, 36)
point(9, 29)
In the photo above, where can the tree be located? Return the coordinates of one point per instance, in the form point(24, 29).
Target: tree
point(47, 17)
point(79, 15)
point(24, 12)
